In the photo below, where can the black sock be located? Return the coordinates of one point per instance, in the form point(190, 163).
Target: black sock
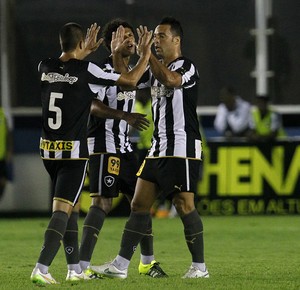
point(193, 231)
point(135, 229)
point(91, 228)
point(146, 243)
point(53, 236)
point(71, 240)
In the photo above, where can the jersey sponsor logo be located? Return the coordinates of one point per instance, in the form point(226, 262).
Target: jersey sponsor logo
point(127, 95)
point(56, 145)
point(56, 78)
point(113, 165)
point(159, 92)
point(109, 180)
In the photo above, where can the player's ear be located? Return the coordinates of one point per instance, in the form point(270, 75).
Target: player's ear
point(81, 46)
point(176, 39)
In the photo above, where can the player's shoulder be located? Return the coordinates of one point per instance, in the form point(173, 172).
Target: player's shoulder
point(185, 60)
point(48, 64)
point(106, 64)
point(183, 64)
point(55, 64)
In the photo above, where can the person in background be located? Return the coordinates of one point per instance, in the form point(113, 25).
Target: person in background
point(232, 118)
point(5, 150)
point(265, 124)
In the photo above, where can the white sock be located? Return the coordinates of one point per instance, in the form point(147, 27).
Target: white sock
point(147, 259)
point(200, 266)
point(75, 267)
point(121, 263)
point(84, 264)
point(42, 268)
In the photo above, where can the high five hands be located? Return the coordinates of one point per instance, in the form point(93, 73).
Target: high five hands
point(144, 44)
point(145, 41)
point(91, 43)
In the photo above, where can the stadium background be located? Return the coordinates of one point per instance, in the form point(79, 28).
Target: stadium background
point(217, 37)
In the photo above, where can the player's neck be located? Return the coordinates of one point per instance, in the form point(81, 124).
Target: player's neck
point(65, 56)
point(167, 59)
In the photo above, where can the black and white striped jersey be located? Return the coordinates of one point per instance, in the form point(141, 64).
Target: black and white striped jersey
point(109, 135)
point(176, 126)
point(67, 91)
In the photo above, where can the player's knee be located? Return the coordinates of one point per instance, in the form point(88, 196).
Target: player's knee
point(137, 206)
point(183, 205)
point(104, 203)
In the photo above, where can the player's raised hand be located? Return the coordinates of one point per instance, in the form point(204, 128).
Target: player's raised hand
point(145, 41)
point(117, 40)
point(136, 120)
point(91, 42)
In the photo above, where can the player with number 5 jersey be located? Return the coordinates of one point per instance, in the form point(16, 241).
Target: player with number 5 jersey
point(67, 100)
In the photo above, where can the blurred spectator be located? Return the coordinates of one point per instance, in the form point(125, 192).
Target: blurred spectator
point(5, 151)
point(232, 118)
point(265, 124)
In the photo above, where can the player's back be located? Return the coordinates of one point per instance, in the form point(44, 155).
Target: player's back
point(66, 98)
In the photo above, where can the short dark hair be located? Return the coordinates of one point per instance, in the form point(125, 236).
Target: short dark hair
point(70, 35)
point(176, 28)
point(111, 27)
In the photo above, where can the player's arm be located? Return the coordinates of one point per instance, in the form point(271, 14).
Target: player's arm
point(136, 120)
point(170, 79)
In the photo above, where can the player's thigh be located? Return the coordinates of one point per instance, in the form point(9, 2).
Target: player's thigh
point(104, 170)
point(128, 170)
point(70, 175)
point(144, 196)
point(177, 175)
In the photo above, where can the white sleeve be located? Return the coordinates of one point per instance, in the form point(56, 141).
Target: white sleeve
point(251, 121)
point(238, 120)
point(276, 121)
point(220, 122)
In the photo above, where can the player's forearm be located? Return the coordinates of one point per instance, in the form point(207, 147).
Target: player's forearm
point(118, 63)
point(100, 110)
point(132, 77)
point(163, 74)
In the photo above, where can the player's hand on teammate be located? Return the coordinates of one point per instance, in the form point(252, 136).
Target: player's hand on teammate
point(92, 42)
point(136, 120)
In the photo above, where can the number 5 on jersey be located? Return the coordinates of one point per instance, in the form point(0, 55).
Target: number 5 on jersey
point(55, 123)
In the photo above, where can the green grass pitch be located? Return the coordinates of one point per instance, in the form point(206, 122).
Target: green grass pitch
point(242, 252)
